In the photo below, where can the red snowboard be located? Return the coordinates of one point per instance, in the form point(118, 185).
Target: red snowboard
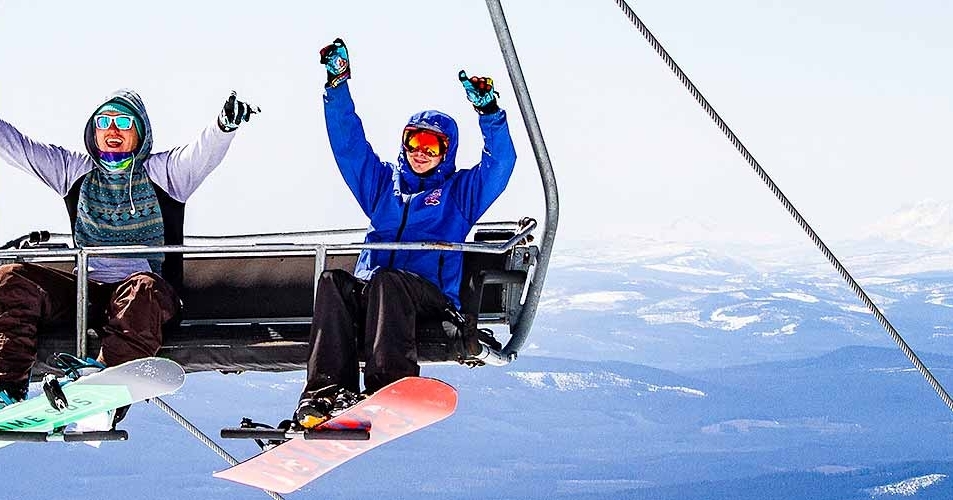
point(398, 409)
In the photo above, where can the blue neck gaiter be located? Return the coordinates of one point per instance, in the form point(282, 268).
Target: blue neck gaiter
point(115, 162)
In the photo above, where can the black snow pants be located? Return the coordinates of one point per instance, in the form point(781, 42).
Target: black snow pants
point(373, 320)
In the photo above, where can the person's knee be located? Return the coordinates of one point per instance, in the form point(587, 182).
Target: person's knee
point(16, 284)
point(334, 276)
point(385, 279)
point(143, 288)
point(8, 270)
point(143, 280)
point(144, 283)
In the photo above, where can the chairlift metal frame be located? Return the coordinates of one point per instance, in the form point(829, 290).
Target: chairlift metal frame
point(519, 327)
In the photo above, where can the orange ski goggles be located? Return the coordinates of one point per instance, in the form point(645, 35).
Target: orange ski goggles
point(432, 144)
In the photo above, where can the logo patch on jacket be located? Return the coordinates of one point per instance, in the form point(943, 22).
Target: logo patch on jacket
point(433, 199)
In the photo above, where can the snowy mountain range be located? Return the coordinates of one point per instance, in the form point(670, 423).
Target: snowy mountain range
point(928, 222)
point(685, 306)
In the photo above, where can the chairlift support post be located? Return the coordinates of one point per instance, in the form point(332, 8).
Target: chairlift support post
point(82, 307)
point(520, 331)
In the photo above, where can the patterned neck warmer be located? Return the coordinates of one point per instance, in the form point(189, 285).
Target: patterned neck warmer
point(115, 162)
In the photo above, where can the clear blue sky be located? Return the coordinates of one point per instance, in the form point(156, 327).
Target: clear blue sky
point(847, 104)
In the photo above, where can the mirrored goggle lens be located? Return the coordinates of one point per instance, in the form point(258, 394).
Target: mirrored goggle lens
point(429, 143)
point(123, 122)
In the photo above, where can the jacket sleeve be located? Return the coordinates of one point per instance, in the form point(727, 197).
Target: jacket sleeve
point(180, 171)
point(57, 167)
point(363, 171)
point(481, 185)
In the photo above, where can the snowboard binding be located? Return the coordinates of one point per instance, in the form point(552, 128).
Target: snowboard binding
point(267, 437)
point(54, 392)
point(72, 367)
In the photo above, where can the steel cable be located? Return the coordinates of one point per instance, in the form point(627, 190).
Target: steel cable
point(787, 203)
point(207, 441)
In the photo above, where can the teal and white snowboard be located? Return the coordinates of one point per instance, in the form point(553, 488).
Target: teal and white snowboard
point(94, 394)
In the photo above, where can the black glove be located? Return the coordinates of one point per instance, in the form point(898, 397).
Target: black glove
point(335, 61)
point(480, 92)
point(234, 113)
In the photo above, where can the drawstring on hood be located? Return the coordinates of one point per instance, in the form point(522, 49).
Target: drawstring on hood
point(132, 203)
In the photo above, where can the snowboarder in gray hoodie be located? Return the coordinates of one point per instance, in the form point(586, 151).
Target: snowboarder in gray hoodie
point(118, 193)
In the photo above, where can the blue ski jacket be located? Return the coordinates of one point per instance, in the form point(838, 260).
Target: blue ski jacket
point(403, 206)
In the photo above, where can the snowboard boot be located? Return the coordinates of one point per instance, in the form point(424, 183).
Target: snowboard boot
point(314, 407)
point(317, 407)
point(13, 392)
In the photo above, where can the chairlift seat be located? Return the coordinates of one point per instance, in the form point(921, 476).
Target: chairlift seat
point(253, 312)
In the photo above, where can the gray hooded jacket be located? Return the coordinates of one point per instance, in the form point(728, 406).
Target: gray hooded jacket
point(174, 175)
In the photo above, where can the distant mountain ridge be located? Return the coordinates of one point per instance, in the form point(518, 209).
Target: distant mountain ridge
point(928, 222)
point(850, 424)
point(681, 306)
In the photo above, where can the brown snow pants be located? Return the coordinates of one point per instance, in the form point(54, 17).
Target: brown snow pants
point(128, 314)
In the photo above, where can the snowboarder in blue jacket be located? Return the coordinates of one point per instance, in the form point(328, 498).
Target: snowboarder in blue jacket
point(423, 197)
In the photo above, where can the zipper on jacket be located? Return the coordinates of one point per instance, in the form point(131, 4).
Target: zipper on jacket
point(440, 270)
point(400, 232)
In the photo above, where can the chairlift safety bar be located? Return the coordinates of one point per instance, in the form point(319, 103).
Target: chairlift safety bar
point(320, 251)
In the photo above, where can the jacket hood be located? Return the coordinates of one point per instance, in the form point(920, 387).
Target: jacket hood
point(410, 182)
point(131, 100)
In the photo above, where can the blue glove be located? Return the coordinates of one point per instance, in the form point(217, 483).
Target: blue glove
point(480, 92)
point(335, 60)
point(234, 113)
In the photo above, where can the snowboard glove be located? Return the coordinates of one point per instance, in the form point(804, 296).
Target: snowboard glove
point(480, 92)
point(234, 113)
point(335, 61)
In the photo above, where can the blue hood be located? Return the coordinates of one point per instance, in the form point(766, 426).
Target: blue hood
point(408, 181)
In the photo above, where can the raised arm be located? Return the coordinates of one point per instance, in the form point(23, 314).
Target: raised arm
point(363, 171)
point(482, 185)
point(180, 170)
point(57, 167)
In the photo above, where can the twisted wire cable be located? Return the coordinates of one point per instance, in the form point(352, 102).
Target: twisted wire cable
point(801, 221)
point(207, 441)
